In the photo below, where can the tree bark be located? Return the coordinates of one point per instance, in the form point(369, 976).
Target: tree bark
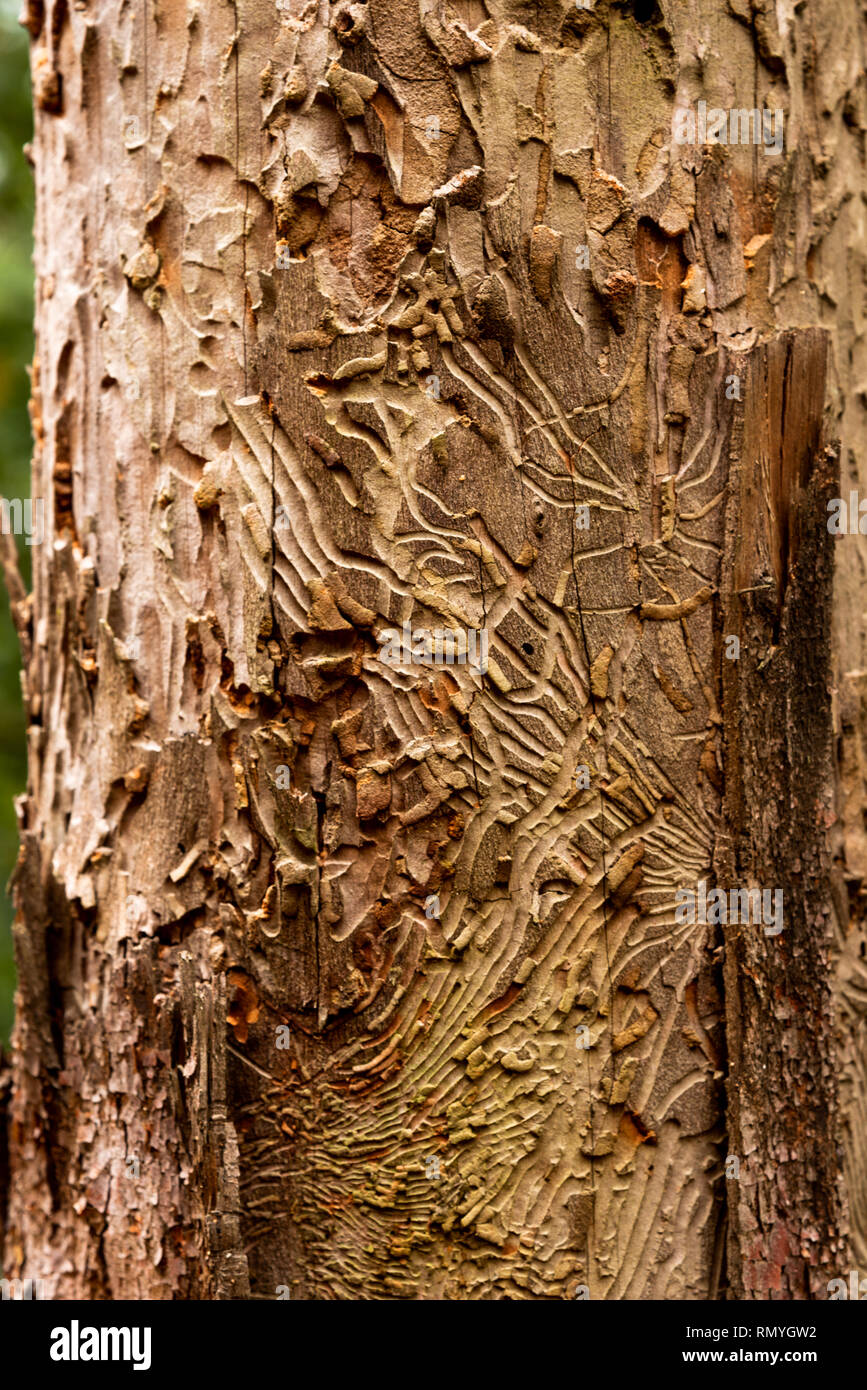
point(348, 975)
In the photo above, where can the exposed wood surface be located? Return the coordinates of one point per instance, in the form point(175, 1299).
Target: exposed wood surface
point(372, 314)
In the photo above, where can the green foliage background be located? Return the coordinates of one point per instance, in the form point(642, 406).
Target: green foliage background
point(16, 350)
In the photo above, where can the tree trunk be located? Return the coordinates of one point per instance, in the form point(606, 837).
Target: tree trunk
point(346, 971)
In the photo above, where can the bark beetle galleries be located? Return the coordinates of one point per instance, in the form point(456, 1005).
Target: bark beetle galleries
point(406, 314)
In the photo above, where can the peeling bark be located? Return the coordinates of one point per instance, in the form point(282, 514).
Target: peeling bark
point(365, 315)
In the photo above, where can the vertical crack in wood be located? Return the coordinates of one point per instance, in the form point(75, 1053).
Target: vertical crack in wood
point(787, 1226)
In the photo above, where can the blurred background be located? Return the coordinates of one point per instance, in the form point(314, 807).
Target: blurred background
point(16, 350)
